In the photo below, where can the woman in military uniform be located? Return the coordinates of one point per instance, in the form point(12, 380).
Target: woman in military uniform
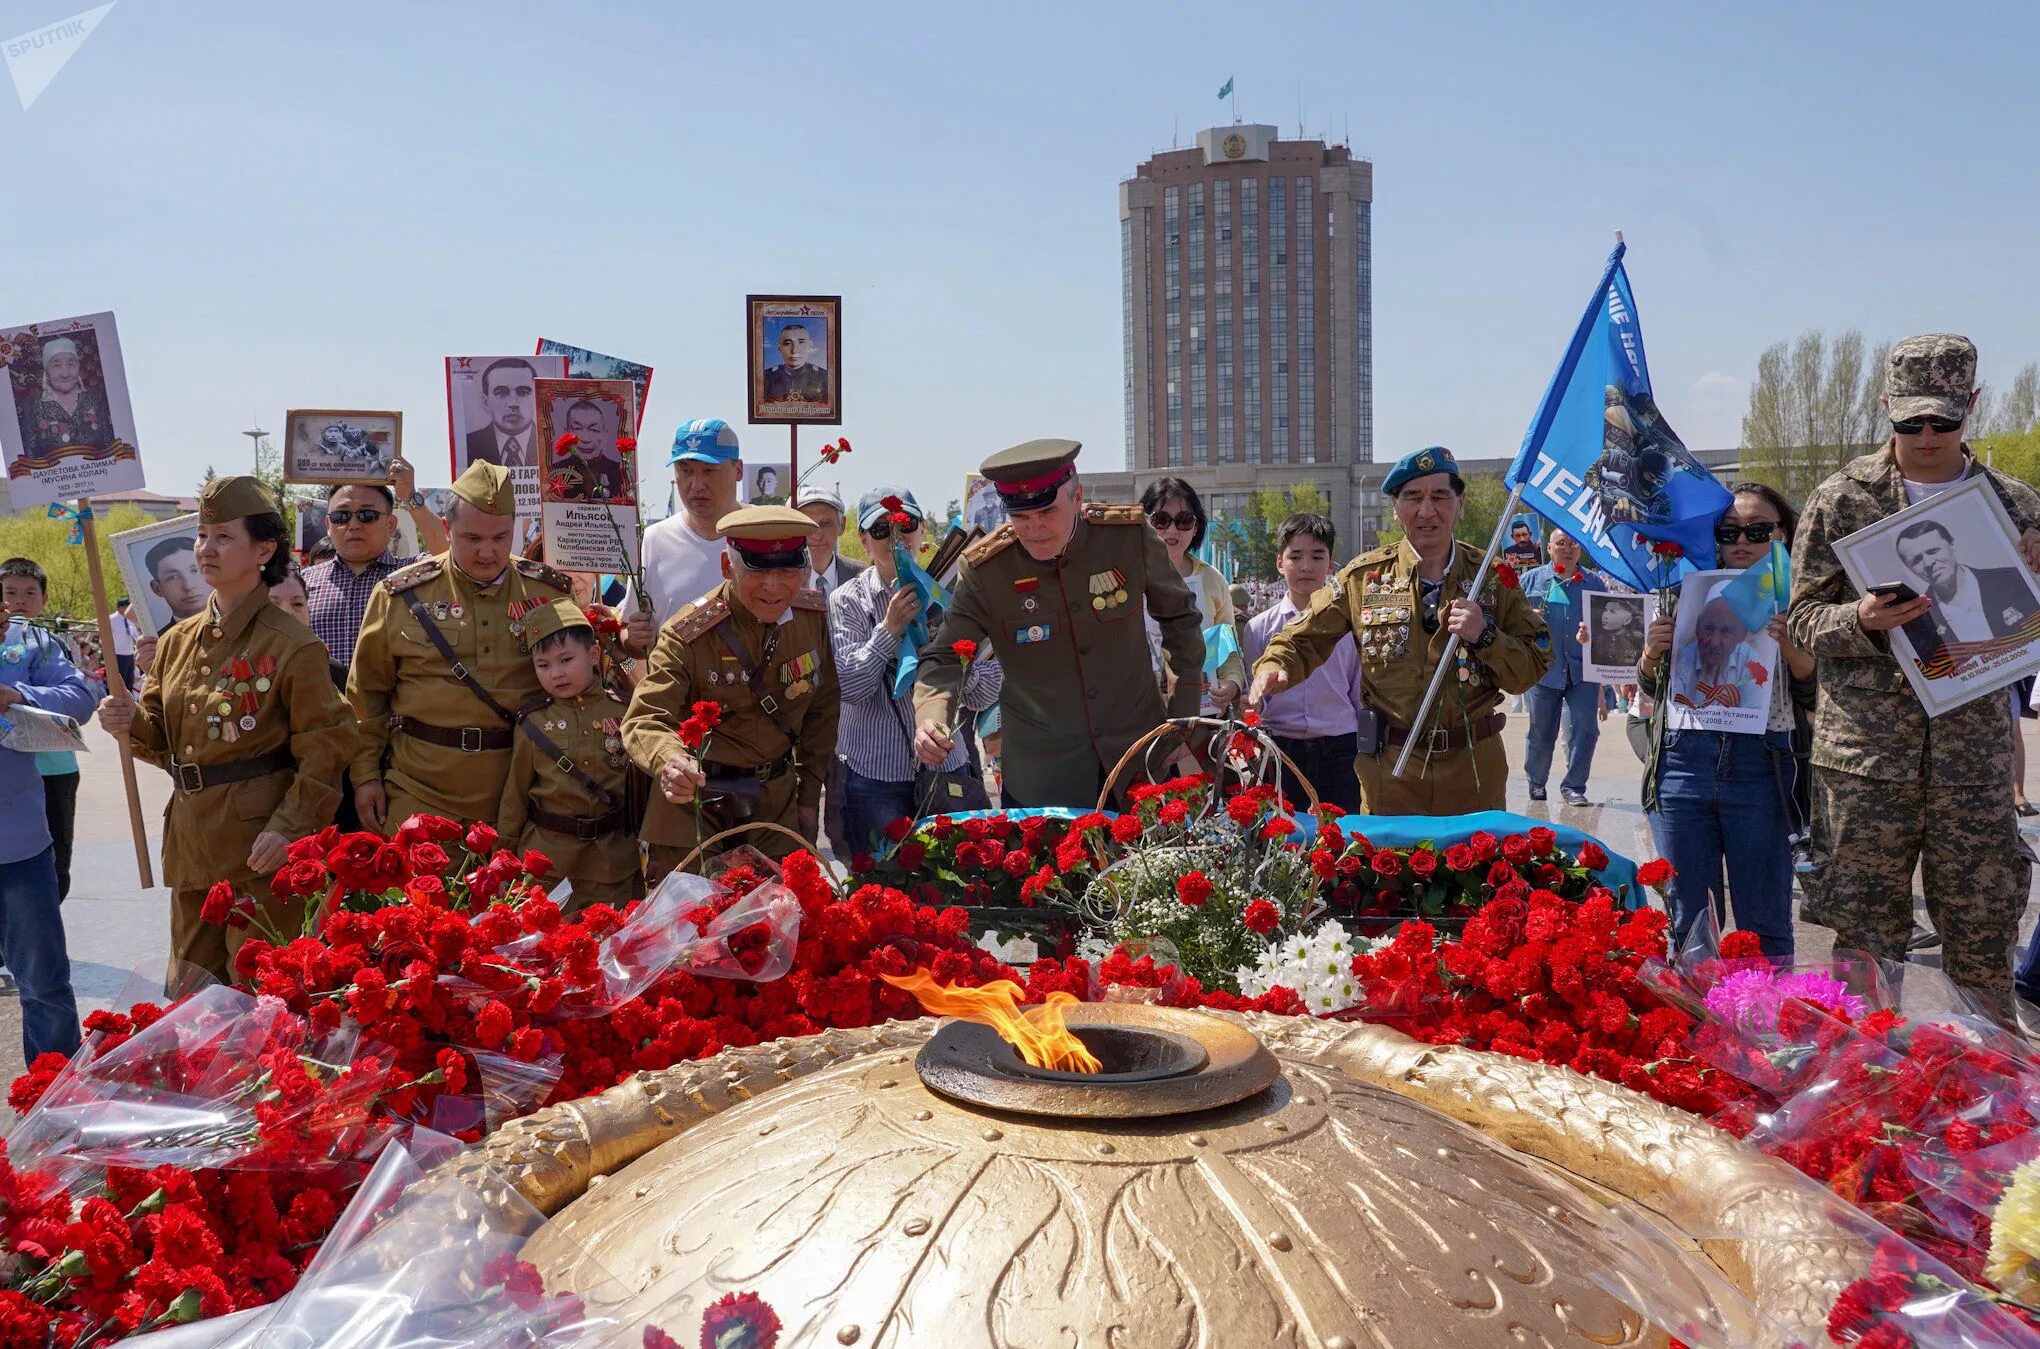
point(240, 709)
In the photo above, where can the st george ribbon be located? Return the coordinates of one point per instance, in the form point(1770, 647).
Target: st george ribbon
point(1600, 460)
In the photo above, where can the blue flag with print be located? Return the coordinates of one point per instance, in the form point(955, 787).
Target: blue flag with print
point(1763, 589)
point(1600, 461)
point(912, 576)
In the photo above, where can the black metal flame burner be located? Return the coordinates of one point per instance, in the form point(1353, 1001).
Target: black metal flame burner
point(1155, 1061)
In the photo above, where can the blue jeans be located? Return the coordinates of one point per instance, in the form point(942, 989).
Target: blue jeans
point(869, 805)
point(1721, 806)
point(1582, 705)
point(32, 945)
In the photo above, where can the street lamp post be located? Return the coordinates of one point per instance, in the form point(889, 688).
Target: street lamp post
point(255, 435)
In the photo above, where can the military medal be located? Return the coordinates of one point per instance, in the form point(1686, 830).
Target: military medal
point(264, 668)
point(1030, 604)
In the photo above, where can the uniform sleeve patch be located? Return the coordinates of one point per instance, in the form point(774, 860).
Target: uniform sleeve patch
point(990, 546)
point(812, 601)
point(1103, 514)
point(691, 622)
point(533, 569)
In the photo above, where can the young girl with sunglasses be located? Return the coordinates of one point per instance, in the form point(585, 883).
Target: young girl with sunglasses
point(1722, 802)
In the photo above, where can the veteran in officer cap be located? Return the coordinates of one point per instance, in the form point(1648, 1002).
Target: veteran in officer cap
point(1059, 591)
point(239, 707)
point(1401, 603)
point(443, 665)
point(757, 647)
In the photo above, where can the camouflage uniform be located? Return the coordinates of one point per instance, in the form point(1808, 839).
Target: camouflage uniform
point(1891, 787)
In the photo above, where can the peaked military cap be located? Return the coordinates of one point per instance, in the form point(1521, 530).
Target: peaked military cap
point(767, 537)
point(487, 488)
point(1931, 376)
point(548, 619)
point(1028, 475)
point(1419, 464)
point(235, 498)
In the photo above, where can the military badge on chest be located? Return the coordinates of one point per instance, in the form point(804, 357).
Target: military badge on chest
point(517, 610)
point(237, 695)
point(1385, 614)
point(1026, 587)
point(612, 740)
point(1108, 589)
point(797, 676)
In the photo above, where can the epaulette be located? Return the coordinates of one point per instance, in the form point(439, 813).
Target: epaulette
point(534, 570)
point(699, 617)
point(811, 600)
point(413, 576)
point(1098, 513)
point(990, 546)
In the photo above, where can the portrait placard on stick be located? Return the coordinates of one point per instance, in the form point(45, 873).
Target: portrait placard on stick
point(588, 482)
point(68, 430)
point(1960, 550)
point(796, 358)
point(585, 364)
point(334, 445)
point(492, 416)
point(1616, 622)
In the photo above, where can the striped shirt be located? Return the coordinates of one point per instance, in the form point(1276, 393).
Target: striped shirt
point(875, 736)
point(337, 597)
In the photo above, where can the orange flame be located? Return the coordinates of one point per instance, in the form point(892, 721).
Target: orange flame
point(1037, 1032)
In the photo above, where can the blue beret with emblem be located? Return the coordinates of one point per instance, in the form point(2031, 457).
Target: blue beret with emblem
point(1419, 464)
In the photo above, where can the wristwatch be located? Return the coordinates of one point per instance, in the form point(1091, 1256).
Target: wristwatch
point(1487, 636)
point(413, 502)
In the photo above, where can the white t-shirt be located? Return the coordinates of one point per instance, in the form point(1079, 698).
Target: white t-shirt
point(1916, 492)
point(124, 634)
point(680, 567)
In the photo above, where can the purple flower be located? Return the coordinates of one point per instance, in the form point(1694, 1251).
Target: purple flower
point(1750, 999)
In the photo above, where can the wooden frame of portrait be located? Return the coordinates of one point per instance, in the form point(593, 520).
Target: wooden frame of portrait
point(130, 547)
point(299, 468)
point(761, 309)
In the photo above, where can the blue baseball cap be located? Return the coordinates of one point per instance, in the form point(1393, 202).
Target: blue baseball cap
point(705, 440)
point(871, 507)
point(1420, 464)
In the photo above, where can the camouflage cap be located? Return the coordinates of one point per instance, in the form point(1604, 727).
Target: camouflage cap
point(1931, 376)
point(486, 487)
point(548, 619)
point(236, 498)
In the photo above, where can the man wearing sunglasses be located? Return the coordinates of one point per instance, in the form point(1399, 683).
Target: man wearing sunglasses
point(361, 519)
point(1893, 788)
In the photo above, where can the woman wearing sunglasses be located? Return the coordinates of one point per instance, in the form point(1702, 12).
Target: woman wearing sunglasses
point(1177, 514)
point(1722, 802)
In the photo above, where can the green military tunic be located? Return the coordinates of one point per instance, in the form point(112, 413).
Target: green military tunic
point(227, 694)
point(541, 800)
point(1377, 597)
point(1079, 688)
point(448, 752)
point(762, 764)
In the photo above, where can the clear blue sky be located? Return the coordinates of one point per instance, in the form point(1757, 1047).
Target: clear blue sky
point(310, 205)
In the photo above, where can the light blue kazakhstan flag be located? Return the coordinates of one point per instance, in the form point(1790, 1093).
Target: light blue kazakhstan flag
point(1600, 461)
point(1226, 90)
point(1763, 589)
point(912, 576)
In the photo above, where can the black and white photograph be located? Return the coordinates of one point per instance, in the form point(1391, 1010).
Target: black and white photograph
point(1722, 667)
point(492, 415)
point(796, 347)
point(69, 430)
point(311, 523)
point(982, 507)
point(160, 564)
point(1959, 549)
point(327, 445)
point(767, 483)
point(1616, 622)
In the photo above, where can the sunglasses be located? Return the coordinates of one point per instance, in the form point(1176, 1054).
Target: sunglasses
point(1183, 520)
point(883, 529)
point(364, 517)
point(1760, 532)
point(1919, 424)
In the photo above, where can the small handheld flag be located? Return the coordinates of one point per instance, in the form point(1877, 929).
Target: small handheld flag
point(1220, 642)
point(1763, 589)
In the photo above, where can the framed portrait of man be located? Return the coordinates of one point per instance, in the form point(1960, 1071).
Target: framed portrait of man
point(160, 565)
point(492, 415)
point(588, 481)
point(311, 522)
point(585, 364)
point(1959, 549)
point(796, 358)
point(767, 483)
point(328, 445)
point(982, 507)
point(1722, 664)
point(1616, 622)
point(68, 430)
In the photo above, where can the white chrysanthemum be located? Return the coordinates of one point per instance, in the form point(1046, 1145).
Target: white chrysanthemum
point(1318, 965)
point(2014, 1263)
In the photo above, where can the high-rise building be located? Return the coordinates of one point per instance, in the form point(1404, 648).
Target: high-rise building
point(1247, 287)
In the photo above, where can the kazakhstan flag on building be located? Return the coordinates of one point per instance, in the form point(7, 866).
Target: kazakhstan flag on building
point(1225, 90)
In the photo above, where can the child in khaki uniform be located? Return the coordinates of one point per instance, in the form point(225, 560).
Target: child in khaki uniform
point(576, 816)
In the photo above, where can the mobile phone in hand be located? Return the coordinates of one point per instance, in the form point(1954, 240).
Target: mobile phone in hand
point(1895, 592)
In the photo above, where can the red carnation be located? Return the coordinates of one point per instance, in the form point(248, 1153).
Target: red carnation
point(219, 902)
point(739, 1321)
point(1250, 718)
point(901, 520)
point(710, 713)
point(893, 504)
point(626, 444)
point(1656, 873)
point(1193, 888)
point(1261, 917)
point(1740, 944)
point(1505, 576)
point(966, 650)
point(1126, 828)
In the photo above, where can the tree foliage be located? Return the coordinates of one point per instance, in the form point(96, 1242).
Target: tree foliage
point(1251, 537)
point(1814, 406)
point(2016, 453)
point(33, 534)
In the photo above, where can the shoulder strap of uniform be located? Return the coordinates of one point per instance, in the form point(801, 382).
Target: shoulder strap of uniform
point(699, 617)
point(1099, 513)
point(417, 574)
point(561, 759)
point(990, 546)
point(534, 570)
point(811, 600)
point(455, 664)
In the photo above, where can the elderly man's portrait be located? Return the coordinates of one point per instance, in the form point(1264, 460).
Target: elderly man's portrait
point(159, 561)
point(796, 347)
point(1977, 610)
point(796, 374)
point(589, 467)
point(505, 401)
point(1722, 668)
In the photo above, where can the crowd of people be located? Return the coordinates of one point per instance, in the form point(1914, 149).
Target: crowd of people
point(752, 675)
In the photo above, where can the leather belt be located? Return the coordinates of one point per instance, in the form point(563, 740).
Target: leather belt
point(466, 739)
point(191, 777)
point(761, 773)
point(1443, 739)
point(585, 828)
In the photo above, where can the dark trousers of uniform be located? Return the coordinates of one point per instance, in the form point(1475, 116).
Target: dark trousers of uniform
point(1326, 761)
point(1452, 781)
point(60, 804)
point(777, 803)
point(1868, 834)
